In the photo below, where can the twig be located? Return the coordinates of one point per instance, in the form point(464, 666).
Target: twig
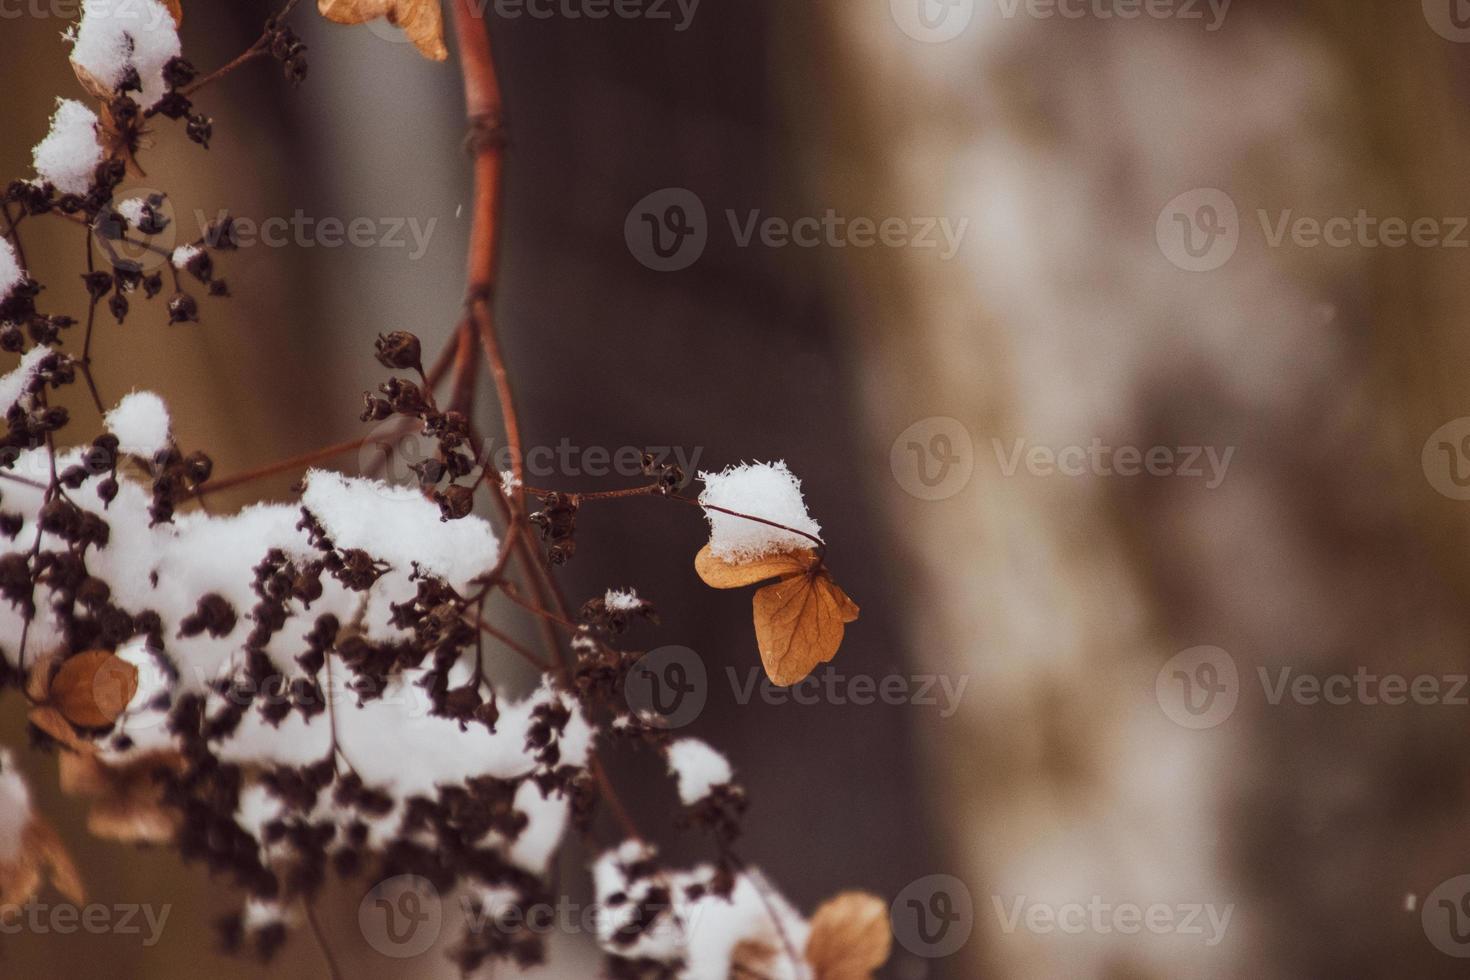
point(283, 466)
point(321, 941)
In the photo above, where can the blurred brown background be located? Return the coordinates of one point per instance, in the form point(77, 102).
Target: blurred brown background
point(1067, 315)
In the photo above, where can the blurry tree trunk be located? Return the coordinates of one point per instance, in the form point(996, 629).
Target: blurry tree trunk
point(1324, 549)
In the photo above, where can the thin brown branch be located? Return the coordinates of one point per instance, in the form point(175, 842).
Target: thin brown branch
point(284, 466)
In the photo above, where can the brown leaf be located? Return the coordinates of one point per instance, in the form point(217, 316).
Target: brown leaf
point(799, 623)
point(91, 689)
point(50, 721)
point(38, 677)
point(850, 937)
point(41, 855)
point(129, 798)
point(722, 574)
point(421, 20)
point(45, 847)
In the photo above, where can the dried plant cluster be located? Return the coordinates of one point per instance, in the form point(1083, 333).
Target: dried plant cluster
point(299, 689)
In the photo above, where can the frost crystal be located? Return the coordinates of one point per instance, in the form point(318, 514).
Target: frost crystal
point(622, 600)
point(69, 155)
point(766, 490)
point(140, 422)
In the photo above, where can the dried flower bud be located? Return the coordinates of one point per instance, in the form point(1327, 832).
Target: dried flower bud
point(183, 308)
point(399, 350)
point(455, 502)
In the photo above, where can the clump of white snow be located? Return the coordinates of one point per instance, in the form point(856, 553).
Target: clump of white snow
point(697, 930)
point(11, 274)
point(622, 600)
point(766, 490)
point(400, 526)
point(185, 254)
point(140, 422)
point(17, 384)
point(69, 155)
point(698, 769)
point(116, 35)
point(134, 209)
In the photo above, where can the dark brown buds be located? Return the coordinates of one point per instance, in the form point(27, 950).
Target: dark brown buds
point(399, 350)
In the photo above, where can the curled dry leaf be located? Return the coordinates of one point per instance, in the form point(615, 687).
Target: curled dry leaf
point(850, 937)
point(799, 620)
point(92, 689)
point(41, 855)
point(89, 690)
point(128, 799)
point(421, 20)
point(114, 143)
